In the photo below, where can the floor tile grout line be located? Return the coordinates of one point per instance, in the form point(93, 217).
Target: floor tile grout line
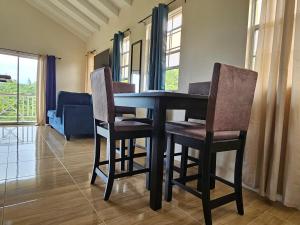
point(99, 216)
point(4, 200)
point(89, 200)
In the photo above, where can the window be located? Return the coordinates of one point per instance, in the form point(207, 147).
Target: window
point(255, 24)
point(18, 95)
point(173, 49)
point(125, 60)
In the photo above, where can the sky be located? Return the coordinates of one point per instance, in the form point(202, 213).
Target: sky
point(28, 68)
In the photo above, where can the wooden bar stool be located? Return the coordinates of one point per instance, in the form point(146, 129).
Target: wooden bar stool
point(126, 114)
point(227, 120)
point(106, 127)
point(199, 114)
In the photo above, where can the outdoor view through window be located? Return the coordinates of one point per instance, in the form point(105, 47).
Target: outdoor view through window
point(173, 49)
point(18, 95)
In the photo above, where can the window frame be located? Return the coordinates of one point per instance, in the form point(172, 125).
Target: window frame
point(124, 66)
point(170, 33)
point(170, 51)
point(254, 28)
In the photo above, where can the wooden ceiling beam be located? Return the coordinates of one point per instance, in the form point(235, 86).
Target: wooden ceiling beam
point(76, 15)
point(89, 10)
point(106, 7)
point(55, 15)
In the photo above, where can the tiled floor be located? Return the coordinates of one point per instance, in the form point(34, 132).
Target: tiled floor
point(45, 180)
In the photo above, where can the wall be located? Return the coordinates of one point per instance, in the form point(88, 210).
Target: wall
point(24, 28)
point(213, 31)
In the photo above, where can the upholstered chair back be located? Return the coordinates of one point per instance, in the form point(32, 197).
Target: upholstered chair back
point(102, 94)
point(120, 87)
point(231, 97)
point(198, 88)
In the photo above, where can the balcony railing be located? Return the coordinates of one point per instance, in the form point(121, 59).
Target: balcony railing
point(12, 110)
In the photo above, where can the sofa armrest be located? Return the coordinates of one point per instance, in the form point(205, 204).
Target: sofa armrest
point(78, 119)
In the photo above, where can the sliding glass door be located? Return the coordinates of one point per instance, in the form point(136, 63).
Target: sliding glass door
point(18, 94)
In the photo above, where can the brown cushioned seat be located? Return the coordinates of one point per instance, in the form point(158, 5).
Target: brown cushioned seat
point(199, 132)
point(123, 126)
point(125, 118)
point(182, 124)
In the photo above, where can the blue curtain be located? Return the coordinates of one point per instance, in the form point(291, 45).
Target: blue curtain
point(50, 84)
point(158, 46)
point(116, 62)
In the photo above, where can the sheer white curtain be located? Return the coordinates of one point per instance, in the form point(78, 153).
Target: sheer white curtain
point(89, 69)
point(41, 90)
point(272, 157)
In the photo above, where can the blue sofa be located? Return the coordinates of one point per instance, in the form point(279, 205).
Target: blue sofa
point(73, 115)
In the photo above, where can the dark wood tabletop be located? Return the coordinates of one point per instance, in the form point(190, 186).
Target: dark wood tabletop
point(160, 102)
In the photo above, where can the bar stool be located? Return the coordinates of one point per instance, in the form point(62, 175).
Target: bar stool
point(227, 120)
point(199, 114)
point(126, 114)
point(106, 127)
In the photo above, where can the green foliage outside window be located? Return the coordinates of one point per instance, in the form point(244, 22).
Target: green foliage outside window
point(172, 77)
point(8, 102)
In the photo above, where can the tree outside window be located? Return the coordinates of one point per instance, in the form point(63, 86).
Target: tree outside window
point(173, 50)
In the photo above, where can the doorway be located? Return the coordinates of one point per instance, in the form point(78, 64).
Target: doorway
point(18, 91)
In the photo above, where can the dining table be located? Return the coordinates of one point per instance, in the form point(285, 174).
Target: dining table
point(159, 102)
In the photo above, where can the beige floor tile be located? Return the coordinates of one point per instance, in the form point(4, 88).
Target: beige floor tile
point(22, 147)
point(1, 215)
point(281, 211)
point(69, 207)
point(2, 193)
point(3, 157)
point(3, 168)
point(37, 187)
point(268, 219)
point(55, 188)
point(29, 155)
point(33, 168)
point(168, 215)
point(294, 218)
point(3, 148)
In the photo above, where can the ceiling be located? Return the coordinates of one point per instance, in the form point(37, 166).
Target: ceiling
point(81, 17)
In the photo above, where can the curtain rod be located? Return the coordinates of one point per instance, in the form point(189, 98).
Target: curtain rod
point(147, 17)
point(127, 30)
point(28, 53)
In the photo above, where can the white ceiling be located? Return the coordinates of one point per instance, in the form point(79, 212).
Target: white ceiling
point(81, 17)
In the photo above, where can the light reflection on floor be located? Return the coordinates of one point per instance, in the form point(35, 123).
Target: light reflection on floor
point(46, 180)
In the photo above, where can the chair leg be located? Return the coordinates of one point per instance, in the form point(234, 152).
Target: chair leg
point(148, 161)
point(96, 156)
point(199, 180)
point(238, 175)
point(183, 163)
point(213, 170)
point(205, 156)
point(111, 148)
point(122, 150)
point(169, 168)
point(131, 154)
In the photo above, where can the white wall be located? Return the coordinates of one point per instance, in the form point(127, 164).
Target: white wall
point(213, 31)
point(24, 28)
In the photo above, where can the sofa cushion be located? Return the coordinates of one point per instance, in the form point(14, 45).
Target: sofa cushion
point(71, 98)
point(51, 113)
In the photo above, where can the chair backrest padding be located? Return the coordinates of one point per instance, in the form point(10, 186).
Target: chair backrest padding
point(231, 97)
point(121, 87)
point(71, 98)
point(102, 94)
point(199, 88)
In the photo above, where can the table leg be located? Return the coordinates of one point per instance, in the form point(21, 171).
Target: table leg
point(157, 155)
